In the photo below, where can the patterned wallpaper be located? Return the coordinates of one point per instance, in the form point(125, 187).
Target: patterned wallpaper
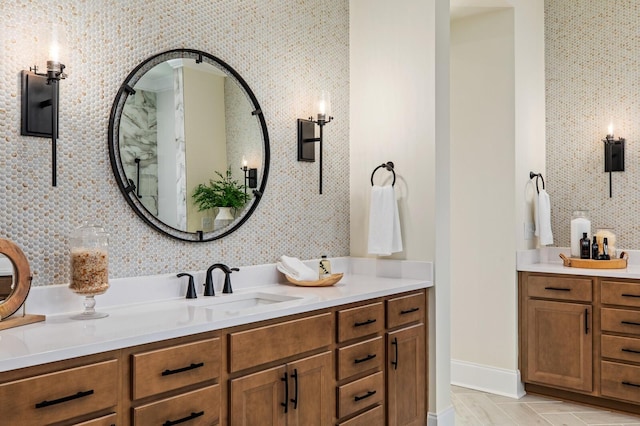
point(287, 51)
point(592, 79)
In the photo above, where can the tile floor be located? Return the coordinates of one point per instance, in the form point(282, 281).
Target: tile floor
point(474, 408)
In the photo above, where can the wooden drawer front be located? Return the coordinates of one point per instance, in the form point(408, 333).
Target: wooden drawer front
point(273, 342)
point(405, 310)
point(622, 348)
point(620, 321)
point(65, 394)
point(200, 407)
point(171, 368)
point(624, 294)
point(360, 394)
point(373, 417)
point(361, 357)
point(577, 289)
point(620, 381)
point(108, 420)
point(361, 321)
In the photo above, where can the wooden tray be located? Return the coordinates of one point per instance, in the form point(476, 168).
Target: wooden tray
point(573, 262)
point(324, 282)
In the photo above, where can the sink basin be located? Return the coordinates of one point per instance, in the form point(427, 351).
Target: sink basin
point(237, 302)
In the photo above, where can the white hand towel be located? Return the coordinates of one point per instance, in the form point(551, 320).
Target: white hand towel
point(544, 219)
point(293, 267)
point(384, 222)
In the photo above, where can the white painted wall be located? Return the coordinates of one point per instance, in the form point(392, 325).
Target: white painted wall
point(497, 136)
point(399, 112)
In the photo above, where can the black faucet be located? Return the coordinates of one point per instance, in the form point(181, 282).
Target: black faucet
point(191, 289)
point(208, 285)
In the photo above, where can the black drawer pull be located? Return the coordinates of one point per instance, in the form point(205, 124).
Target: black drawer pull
point(78, 395)
point(630, 350)
point(183, 369)
point(586, 321)
point(184, 419)
point(368, 394)
point(285, 404)
point(557, 289)
point(631, 384)
point(630, 295)
point(367, 322)
point(630, 323)
point(394, 342)
point(408, 311)
point(367, 358)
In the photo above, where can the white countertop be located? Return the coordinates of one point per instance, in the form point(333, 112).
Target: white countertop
point(60, 337)
point(547, 260)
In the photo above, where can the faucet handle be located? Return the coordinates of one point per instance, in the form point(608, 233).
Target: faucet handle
point(234, 269)
point(191, 289)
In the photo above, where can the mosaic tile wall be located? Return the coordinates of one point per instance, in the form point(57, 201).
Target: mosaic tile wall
point(592, 78)
point(287, 51)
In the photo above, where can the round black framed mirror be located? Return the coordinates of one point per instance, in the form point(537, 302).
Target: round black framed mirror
point(182, 120)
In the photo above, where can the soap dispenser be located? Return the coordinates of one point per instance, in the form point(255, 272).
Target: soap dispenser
point(585, 247)
point(324, 268)
point(595, 249)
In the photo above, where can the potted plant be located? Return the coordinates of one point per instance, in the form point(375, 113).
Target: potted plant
point(224, 193)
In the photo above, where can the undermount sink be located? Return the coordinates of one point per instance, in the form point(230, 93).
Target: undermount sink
point(237, 302)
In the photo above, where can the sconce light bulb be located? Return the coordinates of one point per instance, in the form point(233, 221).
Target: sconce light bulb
point(54, 52)
point(610, 129)
point(244, 162)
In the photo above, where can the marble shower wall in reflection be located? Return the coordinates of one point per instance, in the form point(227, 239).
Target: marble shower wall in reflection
point(272, 45)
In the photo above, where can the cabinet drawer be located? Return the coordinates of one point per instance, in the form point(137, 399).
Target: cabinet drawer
point(360, 357)
point(171, 368)
point(620, 321)
point(273, 342)
point(65, 394)
point(360, 394)
point(620, 381)
point(373, 417)
point(108, 420)
point(200, 407)
point(622, 348)
point(624, 294)
point(405, 310)
point(361, 321)
point(577, 289)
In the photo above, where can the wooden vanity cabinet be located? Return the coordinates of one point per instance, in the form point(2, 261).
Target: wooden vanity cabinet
point(82, 391)
point(556, 332)
point(406, 360)
point(298, 391)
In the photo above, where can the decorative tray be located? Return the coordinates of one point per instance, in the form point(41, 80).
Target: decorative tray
point(573, 262)
point(324, 282)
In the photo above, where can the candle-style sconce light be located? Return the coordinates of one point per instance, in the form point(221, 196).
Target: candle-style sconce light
point(307, 132)
point(40, 104)
point(250, 177)
point(613, 155)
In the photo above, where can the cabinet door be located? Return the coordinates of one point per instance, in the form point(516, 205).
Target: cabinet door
point(559, 343)
point(406, 381)
point(311, 400)
point(257, 399)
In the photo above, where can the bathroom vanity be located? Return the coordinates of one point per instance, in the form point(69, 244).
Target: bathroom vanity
point(353, 354)
point(579, 333)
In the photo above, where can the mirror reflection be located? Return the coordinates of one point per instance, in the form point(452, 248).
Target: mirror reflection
point(7, 283)
point(184, 120)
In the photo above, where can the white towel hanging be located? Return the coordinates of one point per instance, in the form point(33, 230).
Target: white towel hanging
point(384, 222)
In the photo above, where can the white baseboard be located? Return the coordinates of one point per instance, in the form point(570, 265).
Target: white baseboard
point(485, 378)
point(446, 417)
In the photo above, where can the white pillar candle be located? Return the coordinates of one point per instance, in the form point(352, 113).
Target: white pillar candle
point(579, 226)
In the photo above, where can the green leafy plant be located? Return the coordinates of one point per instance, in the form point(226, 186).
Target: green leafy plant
point(222, 192)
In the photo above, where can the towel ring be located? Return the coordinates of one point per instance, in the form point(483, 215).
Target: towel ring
point(389, 166)
point(537, 176)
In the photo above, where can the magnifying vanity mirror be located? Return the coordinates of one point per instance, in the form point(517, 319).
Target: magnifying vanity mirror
point(182, 119)
point(15, 283)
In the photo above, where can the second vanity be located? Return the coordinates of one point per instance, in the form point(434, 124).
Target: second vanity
point(579, 330)
point(353, 354)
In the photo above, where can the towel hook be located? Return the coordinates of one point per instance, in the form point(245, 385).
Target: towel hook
point(389, 166)
point(537, 176)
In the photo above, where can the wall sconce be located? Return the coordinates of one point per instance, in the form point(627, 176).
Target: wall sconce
point(40, 104)
point(613, 155)
point(307, 132)
point(250, 177)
